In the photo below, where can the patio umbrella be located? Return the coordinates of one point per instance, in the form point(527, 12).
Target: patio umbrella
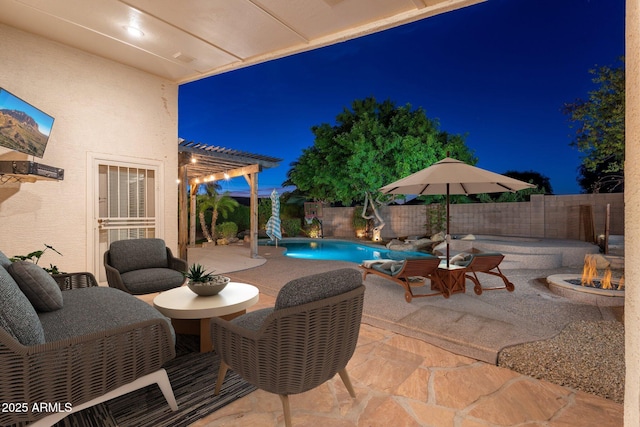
point(451, 176)
point(273, 225)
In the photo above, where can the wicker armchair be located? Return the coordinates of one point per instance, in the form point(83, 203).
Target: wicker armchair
point(143, 266)
point(308, 337)
point(93, 363)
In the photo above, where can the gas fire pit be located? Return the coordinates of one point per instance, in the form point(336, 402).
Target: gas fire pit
point(590, 288)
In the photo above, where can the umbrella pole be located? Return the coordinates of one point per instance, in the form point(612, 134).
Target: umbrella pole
point(447, 235)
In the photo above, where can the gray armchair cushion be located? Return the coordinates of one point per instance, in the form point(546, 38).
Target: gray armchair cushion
point(151, 280)
point(254, 319)
point(138, 254)
point(110, 309)
point(4, 261)
point(317, 286)
point(17, 315)
point(42, 291)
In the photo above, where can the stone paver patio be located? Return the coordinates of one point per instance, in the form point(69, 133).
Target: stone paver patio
point(401, 381)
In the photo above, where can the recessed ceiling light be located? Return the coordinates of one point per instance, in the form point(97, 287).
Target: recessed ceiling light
point(133, 31)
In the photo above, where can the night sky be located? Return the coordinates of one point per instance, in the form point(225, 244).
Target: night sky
point(498, 72)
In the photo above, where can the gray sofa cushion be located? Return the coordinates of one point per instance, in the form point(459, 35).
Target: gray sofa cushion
point(110, 308)
point(152, 280)
point(317, 286)
point(38, 285)
point(4, 261)
point(17, 315)
point(137, 254)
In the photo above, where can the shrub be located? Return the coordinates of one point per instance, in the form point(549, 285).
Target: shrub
point(360, 224)
point(313, 229)
point(436, 218)
point(241, 216)
point(291, 226)
point(264, 212)
point(227, 230)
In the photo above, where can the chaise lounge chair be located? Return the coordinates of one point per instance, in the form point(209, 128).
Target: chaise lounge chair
point(409, 273)
point(488, 263)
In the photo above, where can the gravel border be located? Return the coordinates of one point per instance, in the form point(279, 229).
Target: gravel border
point(586, 356)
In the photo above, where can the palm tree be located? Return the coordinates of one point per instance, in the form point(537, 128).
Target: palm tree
point(220, 204)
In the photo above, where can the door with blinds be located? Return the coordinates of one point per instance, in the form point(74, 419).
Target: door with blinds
point(126, 206)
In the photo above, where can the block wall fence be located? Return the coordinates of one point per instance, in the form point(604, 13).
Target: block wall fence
point(545, 216)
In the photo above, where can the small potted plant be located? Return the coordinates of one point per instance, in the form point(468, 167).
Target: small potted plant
point(204, 283)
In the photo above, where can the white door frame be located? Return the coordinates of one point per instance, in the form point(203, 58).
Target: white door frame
point(95, 159)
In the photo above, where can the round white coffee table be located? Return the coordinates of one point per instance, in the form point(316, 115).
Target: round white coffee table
point(191, 314)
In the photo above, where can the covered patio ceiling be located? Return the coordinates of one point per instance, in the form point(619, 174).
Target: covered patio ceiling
point(183, 41)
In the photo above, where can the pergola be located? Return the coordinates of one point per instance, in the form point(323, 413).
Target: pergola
point(201, 163)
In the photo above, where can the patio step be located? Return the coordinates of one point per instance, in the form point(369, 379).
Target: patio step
point(616, 245)
point(532, 253)
point(514, 261)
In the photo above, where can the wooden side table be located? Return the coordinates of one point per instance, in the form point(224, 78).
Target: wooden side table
point(452, 278)
point(191, 314)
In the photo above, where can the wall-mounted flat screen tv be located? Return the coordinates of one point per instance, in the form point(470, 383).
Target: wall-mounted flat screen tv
point(23, 127)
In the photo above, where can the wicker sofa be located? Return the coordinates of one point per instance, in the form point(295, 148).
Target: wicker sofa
point(67, 344)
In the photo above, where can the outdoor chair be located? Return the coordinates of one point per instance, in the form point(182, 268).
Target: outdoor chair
point(409, 273)
point(143, 266)
point(488, 263)
point(304, 340)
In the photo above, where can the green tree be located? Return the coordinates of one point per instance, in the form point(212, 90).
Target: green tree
point(599, 181)
point(599, 123)
point(371, 145)
point(542, 182)
point(219, 204)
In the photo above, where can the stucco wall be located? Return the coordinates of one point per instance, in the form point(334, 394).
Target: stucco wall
point(632, 224)
point(555, 217)
point(100, 107)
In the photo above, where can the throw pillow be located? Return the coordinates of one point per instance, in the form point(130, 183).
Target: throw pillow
point(462, 259)
point(396, 267)
point(17, 315)
point(4, 261)
point(42, 291)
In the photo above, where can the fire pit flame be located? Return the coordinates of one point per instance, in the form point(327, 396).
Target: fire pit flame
point(605, 283)
point(590, 276)
point(589, 271)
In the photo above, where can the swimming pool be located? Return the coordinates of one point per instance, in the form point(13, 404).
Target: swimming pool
point(339, 250)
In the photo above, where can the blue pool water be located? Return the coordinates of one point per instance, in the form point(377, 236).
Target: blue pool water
point(339, 250)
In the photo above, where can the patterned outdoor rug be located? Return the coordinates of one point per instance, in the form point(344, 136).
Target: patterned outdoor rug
point(193, 378)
